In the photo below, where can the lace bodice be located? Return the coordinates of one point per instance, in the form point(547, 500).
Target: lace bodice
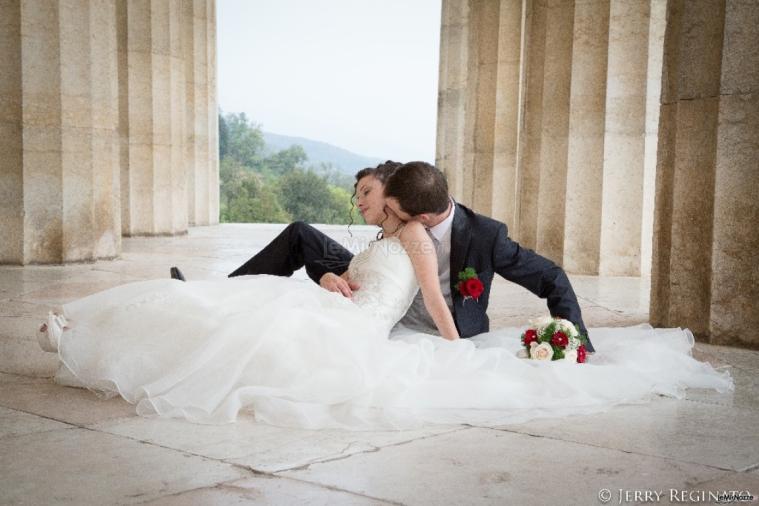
point(388, 283)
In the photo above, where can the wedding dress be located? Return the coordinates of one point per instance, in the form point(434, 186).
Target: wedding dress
point(296, 355)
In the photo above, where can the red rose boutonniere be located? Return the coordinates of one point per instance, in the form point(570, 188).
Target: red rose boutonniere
point(469, 285)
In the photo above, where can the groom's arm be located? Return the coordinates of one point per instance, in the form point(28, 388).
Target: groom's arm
point(539, 275)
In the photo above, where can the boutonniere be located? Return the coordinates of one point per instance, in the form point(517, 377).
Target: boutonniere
point(469, 285)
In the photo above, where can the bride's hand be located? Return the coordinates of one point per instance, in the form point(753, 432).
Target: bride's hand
point(334, 283)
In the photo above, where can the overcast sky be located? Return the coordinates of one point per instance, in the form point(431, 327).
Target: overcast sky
point(359, 74)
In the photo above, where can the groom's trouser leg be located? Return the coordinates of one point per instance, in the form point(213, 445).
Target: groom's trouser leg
point(298, 245)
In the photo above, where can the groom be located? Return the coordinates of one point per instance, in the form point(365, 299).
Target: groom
point(418, 191)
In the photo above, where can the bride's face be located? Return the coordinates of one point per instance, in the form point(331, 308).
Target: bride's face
point(370, 200)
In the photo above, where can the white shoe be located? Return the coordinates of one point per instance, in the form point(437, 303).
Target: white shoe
point(50, 332)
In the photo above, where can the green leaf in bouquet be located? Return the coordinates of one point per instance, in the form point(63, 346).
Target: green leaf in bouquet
point(470, 273)
point(558, 353)
point(548, 332)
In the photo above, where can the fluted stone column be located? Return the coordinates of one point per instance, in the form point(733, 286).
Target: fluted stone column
point(62, 177)
point(11, 135)
point(656, 29)
point(196, 132)
point(624, 148)
point(481, 104)
point(585, 156)
point(201, 114)
point(557, 71)
point(504, 195)
point(705, 246)
point(213, 121)
point(454, 51)
point(154, 180)
point(531, 140)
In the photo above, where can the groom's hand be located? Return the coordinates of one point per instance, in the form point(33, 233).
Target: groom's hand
point(334, 283)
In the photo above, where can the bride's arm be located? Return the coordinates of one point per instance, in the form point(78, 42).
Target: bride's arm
point(420, 249)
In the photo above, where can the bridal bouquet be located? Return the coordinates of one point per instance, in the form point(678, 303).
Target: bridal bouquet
point(551, 338)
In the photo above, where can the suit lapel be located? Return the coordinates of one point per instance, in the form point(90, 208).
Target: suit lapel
point(460, 239)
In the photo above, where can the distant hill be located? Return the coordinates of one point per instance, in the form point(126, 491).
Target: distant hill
point(342, 159)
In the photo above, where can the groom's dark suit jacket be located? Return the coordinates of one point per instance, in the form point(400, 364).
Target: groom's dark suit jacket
point(484, 244)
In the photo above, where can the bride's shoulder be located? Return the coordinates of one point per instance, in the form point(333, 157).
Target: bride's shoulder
point(412, 229)
point(413, 234)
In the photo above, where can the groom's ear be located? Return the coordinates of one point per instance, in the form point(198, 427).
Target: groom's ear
point(423, 218)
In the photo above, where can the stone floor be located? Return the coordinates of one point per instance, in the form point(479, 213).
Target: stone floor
point(64, 445)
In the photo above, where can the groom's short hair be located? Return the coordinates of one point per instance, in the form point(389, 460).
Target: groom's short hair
point(419, 188)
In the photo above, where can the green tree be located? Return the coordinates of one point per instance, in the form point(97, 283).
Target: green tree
point(340, 206)
point(245, 198)
point(223, 136)
point(276, 187)
point(307, 196)
point(245, 142)
point(333, 175)
point(286, 160)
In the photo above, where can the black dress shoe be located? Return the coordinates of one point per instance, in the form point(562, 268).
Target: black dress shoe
point(177, 274)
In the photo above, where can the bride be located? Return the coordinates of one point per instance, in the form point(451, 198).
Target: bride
point(294, 354)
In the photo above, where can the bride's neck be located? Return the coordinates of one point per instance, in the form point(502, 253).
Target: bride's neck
point(390, 226)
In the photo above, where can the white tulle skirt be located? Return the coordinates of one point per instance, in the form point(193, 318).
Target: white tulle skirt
point(295, 355)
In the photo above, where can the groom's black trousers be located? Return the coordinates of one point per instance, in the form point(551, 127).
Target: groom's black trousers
point(298, 245)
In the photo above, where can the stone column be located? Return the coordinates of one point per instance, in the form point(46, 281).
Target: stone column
point(201, 113)
point(653, 95)
point(213, 119)
point(557, 71)
point(529, 161)
point(481, 105)
point(624, 147)
point(11, 132)
point(154, 180)
point(454, 51)
point(62, 179)
point(585, 157)
point(505, 175)
point(705, 246)
point(197, 112)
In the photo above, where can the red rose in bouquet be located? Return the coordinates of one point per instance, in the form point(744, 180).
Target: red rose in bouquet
point(529, 336)
point(581, 354)
point(559, 339)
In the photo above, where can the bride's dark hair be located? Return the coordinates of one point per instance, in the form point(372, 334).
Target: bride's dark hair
point(382, 172)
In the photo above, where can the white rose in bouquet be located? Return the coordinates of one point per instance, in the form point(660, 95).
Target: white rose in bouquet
point(541, 323)
point(567, 327)
point(571, 356)
point(543, 351)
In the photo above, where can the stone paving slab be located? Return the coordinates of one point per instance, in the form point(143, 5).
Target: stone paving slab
point(258, 446)
point(85, 467)
point(485, 466)
point(18, 423)
point(669, 428)
point(266, 490)
point(65, 404)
